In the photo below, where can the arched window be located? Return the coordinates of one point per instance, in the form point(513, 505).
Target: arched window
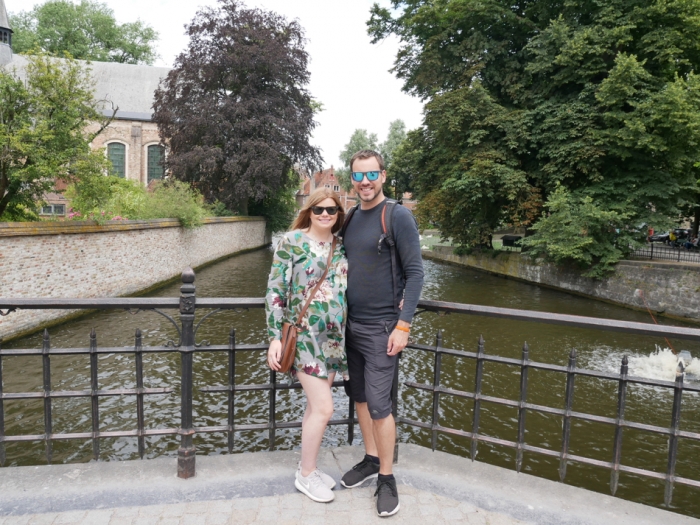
point(156, 156)
point(116, 153)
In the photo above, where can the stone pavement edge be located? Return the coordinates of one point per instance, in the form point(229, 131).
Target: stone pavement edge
point(434, 488)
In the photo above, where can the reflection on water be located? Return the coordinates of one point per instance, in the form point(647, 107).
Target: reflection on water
point(246, 276)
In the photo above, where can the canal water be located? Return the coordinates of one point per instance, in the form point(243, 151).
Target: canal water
point(246, 275)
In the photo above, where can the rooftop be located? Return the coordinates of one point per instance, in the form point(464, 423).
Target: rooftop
point(129, 87)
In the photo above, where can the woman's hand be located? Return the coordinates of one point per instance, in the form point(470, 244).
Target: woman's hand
point(274, 354)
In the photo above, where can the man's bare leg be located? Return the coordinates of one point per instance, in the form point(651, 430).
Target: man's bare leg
point(367, 429)
point(368, 467)
point(385, 440)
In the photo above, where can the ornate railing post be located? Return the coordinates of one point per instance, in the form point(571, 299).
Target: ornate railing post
point(186, 452)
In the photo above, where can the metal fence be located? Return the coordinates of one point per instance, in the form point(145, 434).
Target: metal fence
point(186, 346)
point(663, 252)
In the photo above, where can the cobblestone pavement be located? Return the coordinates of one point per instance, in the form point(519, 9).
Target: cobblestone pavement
point(356, 506)
point(435, 488)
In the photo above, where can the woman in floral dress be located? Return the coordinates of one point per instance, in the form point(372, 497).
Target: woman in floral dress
point(299, 261)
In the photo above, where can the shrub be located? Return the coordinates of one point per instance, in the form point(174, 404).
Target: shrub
point(279, 209)
point(177, 200)
point(103, 198)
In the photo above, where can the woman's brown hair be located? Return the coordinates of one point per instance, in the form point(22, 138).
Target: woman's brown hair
point(303, 220)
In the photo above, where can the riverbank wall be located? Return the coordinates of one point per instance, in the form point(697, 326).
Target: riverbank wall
point(668, 289)
point(83, 259)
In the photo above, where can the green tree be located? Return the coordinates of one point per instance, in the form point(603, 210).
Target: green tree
point(396, 135)
point(86, 31)
point(599, 99)
point(43, 119)
point(576, 230)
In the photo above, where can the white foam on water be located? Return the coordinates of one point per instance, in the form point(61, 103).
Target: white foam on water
point(660, 364)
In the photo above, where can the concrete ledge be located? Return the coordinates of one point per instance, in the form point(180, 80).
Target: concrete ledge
point(20, 229)
point(113, 260)
point(61, 488)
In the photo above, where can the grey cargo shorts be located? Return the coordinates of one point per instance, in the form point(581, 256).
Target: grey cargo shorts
point(371, 369)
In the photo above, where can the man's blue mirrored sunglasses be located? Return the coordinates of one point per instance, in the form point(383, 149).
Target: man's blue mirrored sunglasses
point(357, 176)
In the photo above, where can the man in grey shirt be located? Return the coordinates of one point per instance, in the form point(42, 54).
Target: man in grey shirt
point(377, 329)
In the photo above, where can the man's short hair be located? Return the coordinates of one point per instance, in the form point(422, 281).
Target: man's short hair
point(367, 154)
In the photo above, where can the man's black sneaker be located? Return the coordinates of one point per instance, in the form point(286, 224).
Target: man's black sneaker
point(387, 498)
point(364, 470)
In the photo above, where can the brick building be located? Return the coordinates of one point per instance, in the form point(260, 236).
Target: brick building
point(131, 141)
point(328, 179)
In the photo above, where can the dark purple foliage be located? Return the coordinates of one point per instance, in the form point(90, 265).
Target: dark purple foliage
point(235, 111)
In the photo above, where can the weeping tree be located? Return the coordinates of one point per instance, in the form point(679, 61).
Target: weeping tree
point(235, 110)
point(583, 114)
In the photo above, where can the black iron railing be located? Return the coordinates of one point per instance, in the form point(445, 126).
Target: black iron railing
point(186, 346)
point(662, 252)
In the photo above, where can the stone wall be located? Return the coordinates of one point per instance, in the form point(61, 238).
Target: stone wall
point(84, 259)
point(670, 289)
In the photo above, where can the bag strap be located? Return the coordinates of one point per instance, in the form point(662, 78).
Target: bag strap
point(320, 281)
point(348, 216)
point(388, 237)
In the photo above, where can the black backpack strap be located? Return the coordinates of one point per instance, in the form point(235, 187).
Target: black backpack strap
point(348, 216)
point(388, 237)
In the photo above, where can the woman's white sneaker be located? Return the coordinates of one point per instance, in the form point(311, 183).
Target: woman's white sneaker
point(329, 481)
point(314, 487)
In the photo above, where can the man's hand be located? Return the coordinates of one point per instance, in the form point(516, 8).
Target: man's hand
point(274, 354)
point(398, 339)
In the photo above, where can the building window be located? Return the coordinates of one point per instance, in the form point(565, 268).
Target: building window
point(53, 209)
point(336, 188)
point(328, 185)
point(156, 154)
point(116, 153)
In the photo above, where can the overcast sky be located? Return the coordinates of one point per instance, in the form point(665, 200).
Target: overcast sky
point(349, 75)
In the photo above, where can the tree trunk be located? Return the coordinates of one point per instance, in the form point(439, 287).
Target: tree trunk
point(243, 207)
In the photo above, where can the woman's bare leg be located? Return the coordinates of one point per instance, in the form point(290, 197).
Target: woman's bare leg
point(319, 410)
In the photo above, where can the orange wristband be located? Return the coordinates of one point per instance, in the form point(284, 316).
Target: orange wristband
point(403, 329)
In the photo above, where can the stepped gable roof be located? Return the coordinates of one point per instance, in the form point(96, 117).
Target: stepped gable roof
point(126, 86)
point(4, 21)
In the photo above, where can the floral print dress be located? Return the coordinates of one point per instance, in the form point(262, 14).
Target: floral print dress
point(299, 261)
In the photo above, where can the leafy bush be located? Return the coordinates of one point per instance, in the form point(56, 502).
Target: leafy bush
point(219, 209)
point(175, 199)
point(578, 231)
point(16, 212)
point(103, 198)
point(279, 210)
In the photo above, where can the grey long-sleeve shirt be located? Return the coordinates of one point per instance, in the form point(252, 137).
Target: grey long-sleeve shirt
point(370, 289)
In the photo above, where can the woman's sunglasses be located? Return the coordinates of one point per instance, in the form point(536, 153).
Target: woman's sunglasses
point(318, 210)
point(357, 176)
